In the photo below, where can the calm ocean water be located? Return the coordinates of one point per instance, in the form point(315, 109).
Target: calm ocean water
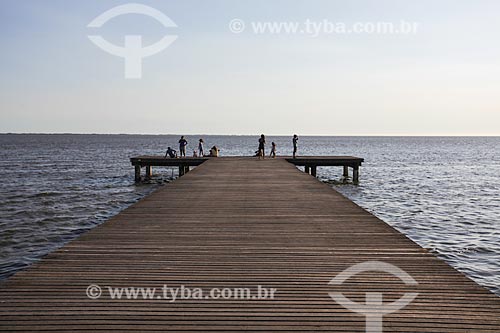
point(443, 192)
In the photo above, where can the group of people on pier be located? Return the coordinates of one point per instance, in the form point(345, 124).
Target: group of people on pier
point(214, 151)
point(261, 153)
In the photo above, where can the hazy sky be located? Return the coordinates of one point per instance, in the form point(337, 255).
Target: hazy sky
point(443, 80)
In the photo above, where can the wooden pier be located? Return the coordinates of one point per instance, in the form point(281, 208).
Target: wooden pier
point(310, 164)
point(240, 223)
point(148, 162)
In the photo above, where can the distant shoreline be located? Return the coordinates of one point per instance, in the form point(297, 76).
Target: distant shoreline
point(276, 135)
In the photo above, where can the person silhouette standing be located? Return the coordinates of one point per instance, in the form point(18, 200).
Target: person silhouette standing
point(273, 150)
point(262, 143)
point(294, 140)
point(201, 152)
point(182, 146)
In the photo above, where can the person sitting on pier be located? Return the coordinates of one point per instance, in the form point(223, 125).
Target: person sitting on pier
point(214, 151)
point(195, 154)
point(171, 152)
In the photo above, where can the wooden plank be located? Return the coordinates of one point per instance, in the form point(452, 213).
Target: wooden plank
point(240, 223)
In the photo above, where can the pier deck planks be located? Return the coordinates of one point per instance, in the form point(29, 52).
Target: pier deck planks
point(241, 222)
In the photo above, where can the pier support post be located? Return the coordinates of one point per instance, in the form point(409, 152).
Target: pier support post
point(313, 170)
point(355, 174)
point(137, 173)
point(346, 171)
point(181, 170)
point(306, 169)
point(149, 171)
point(186, 169)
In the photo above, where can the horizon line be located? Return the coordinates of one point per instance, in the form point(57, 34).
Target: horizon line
point(254, 134)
